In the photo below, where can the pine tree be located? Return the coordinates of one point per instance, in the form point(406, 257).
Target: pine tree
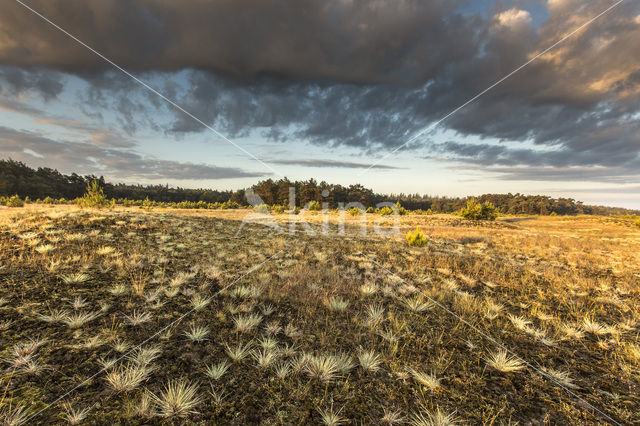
point(94, 197)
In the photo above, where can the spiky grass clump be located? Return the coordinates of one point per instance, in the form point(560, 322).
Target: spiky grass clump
point(138, 317)
point(368, 289)
point(433, 418)
point(215, 372)
point(330, 418)
point(632, 351)
point(282, 370)
point(198, 302)
point(268, 343)
point(369, 361)
point(572, 332)
point(503, 362)
point(77, 278)
point(519, 322)
point(246, 323)
point(239, 352)
point(392, 417)
point(75, 416)
point(105, 251)
point(17, 416)
point(593, 327)
point(321, 367)
point(197, 333)
point(127, 377)
point(428, 380)
point(265, 357)
point(118, 289)
point(337, 304)
point(179, 399)
point(146, 355)
point(78, 319)
point(54, 316)
point(417, 304)
point(45, 248)
point(267, 309)
point(79, 302)
point(143, 407)
point(374, 315)
point(562, 377)
point(325, 367)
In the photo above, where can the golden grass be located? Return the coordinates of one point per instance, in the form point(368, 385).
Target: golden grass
point(320, 324)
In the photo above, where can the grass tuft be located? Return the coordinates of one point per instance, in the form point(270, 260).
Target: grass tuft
point(179, 399)
point(502, 361)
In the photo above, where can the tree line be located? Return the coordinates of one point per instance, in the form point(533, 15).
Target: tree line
point(16, 178)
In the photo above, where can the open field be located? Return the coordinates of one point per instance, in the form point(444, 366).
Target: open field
point(168, 316)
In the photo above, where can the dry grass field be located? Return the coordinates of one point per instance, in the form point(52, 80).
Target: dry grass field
point(163, 317)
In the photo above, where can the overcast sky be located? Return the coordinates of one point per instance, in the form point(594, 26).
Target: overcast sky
point(324, 89)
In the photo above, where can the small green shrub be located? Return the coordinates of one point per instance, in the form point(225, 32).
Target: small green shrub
point(147, 203)
point(479, 211)
point(385, 211)
point(94, 197)
point(638, 221)
point(13, 201)
point(401, 209)
point(277, 209)
point(354, 211)
point(416, 238)
point(370, 210)
point(315, 206)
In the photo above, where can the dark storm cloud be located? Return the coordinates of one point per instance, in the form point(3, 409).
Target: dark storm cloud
point(333, 163)
point(90, 158)
point(365, 74)
point(348, 40)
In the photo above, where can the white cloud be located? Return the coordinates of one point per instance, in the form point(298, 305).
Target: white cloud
point(515, 19)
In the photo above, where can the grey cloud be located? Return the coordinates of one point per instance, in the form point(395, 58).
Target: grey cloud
point(605, 190)
point(360, 40)
point(85, 158)
point(48, 84)
point(575, 174)
point(358, 73)
point(333, 163)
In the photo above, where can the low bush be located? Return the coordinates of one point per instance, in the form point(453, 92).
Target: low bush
point(416, 238)
point(385, 211)
point(354, 211)
point(13, 201)
point(401, 210)
point(479, 211)
point(315, 206)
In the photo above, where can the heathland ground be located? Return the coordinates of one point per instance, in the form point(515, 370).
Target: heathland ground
point(161, 316)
